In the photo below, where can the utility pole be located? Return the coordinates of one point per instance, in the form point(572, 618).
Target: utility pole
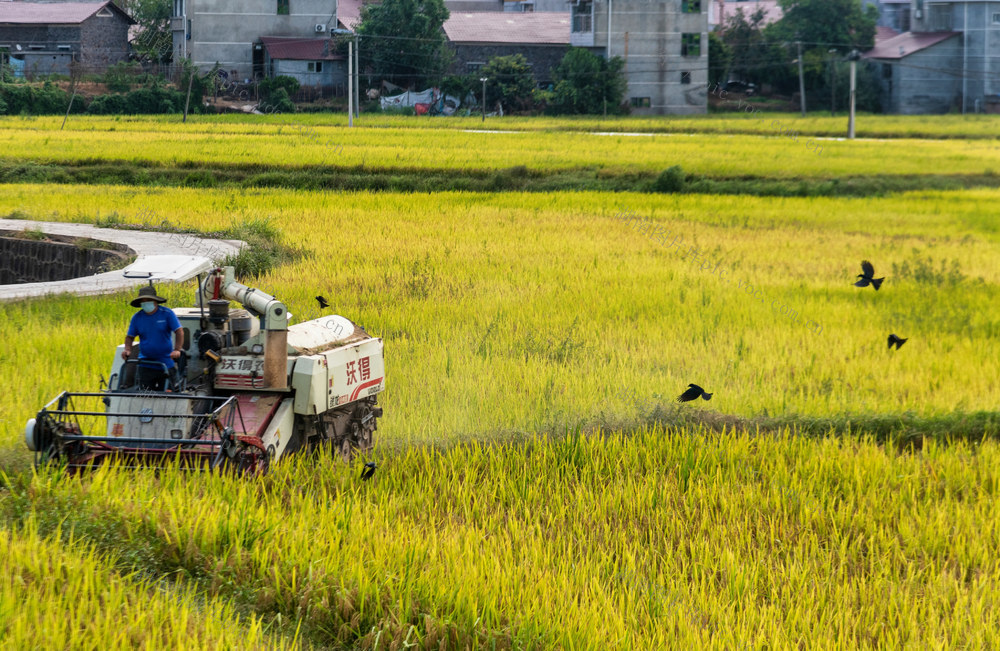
point(73, 76)
point(853, 57)
point(350, 83)
point(483, 79)
point(833, 82)
point(187, 100)
point(608, 55)
point(802, 79)
point(357, 75)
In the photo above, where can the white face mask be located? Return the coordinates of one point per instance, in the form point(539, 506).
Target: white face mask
point(147, 306)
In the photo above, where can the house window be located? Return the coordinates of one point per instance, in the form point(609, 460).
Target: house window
point(691, 6)
point(690, 45)
point(640, 102)
point(315, 66)
point(474, 66)
point(283, 8)
point(886, 71)
point(996, 18)
point(64, 48)
point(582, 17)
point(939, 17)
point(685, 77)
point(104, 13)
point(178, 7)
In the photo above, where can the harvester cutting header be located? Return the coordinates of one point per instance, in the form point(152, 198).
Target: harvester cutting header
point(246, 388)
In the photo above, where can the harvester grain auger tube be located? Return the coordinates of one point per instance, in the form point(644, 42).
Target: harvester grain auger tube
point(222, 284)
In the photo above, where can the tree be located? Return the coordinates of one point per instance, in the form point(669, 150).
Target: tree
point(510, 82)
point(755, 56)
point(586, 83)
point(405, 43)
point(824, 24)
point(155, 41)
point(720, 57)
point(821, 26)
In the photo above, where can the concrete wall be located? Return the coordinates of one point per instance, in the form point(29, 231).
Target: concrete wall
point(29, 261)
point(543, 58)
point(651, 32)
point(334, 72)
point(922, 83)
point(223, 31)
point(979, 60)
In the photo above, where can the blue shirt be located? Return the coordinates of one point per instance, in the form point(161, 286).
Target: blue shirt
point(155, 334)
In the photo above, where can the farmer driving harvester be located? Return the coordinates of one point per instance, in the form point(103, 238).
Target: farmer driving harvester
point(153, 325)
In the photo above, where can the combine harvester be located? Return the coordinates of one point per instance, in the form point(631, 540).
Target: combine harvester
point(251, 389)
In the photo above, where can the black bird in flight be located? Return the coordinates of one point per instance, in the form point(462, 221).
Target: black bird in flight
point(369, 470)
point(868, 277)
point(893, 339)
point(692, 393)
point(322, 302)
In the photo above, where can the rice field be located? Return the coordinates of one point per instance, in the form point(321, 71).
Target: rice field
point(760, 150)
point(537, 486)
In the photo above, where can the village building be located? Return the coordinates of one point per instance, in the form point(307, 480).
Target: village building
point(38, 39)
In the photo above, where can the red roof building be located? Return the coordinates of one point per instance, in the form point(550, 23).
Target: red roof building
point(45, 38)
point(309, 60)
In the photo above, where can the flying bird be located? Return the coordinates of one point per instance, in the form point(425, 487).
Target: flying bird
point(369, 470)
point(322, 302)
point(692, 393)
point(868, 277)
point(893, 339)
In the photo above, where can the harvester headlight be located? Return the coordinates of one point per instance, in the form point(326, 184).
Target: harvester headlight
point(257, 349)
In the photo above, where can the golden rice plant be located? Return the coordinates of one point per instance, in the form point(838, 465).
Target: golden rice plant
point(60, 594)
point(759, 150)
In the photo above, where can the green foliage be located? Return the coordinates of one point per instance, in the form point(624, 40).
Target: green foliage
point(277, 102)
point(586, 84)
point(922, 271)
point(154, 41)
point(18, 97)
point(264, 249)
point(822, 24)
point(755, 58)
point(409, 48)
point(107, 105)
point(31, 234)
point(510, 82)
point(24, 99)
point(460, 85)
point(275, 94)
point(670, 180)
point(198, 84)
point(720, 57)
point(268, 87)
point(120, 77)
